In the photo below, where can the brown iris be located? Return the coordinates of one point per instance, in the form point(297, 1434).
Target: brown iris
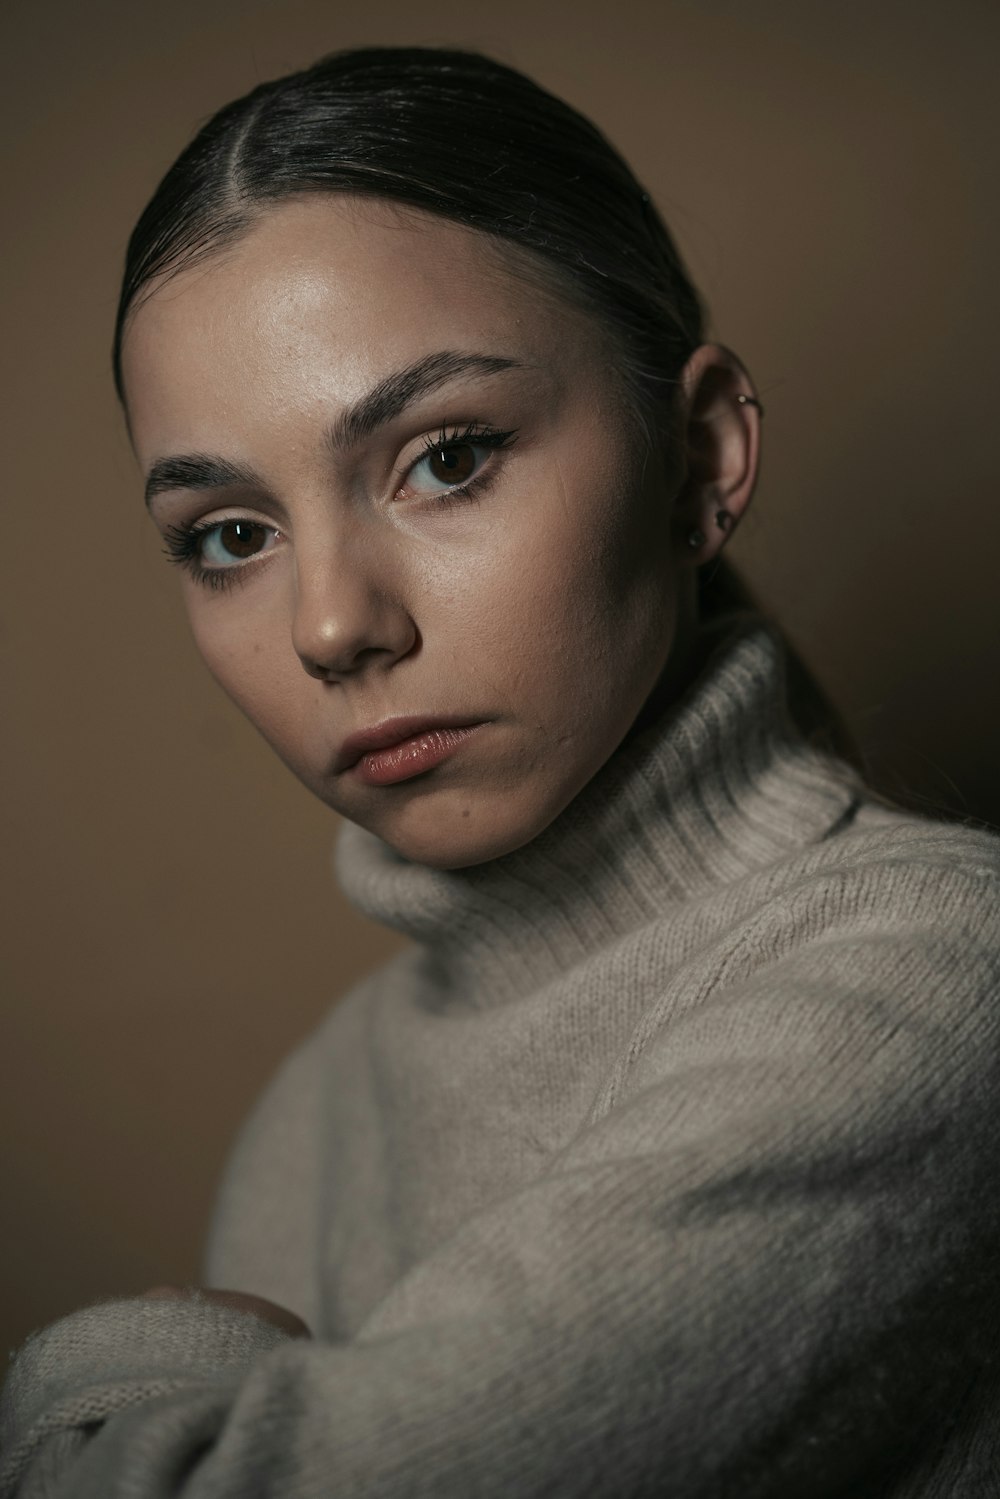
point(241, 538)
point(453, 465)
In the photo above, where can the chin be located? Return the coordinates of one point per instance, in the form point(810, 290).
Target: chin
point(441, 851)
point(459, 838)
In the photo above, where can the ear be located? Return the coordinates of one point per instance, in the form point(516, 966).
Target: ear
point(719, 425)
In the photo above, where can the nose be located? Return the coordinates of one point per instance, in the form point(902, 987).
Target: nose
point(349, 613)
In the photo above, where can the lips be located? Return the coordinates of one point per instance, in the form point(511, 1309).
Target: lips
point(393, 731)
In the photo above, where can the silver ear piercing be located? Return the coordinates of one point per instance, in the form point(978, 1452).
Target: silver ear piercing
point(750, 401)
point(695, 538)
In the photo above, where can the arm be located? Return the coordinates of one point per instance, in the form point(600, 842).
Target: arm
point(765, 1267)
point(276, 1158)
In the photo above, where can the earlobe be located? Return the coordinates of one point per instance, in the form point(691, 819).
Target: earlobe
point(697, 537)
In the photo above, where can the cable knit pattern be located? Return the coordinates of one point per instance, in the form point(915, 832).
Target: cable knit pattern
point(661, 1162)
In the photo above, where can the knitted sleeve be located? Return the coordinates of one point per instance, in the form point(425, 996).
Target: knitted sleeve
point(766, 1266)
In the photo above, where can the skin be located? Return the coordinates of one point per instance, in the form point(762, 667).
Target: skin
point(559, 604)
point(555, 606)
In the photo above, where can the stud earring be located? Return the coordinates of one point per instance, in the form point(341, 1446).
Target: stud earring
point(695, 538)
point(723, 520)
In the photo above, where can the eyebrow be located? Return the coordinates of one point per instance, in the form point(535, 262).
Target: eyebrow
point(391, 396)
point(196, 471)
point(385, 401)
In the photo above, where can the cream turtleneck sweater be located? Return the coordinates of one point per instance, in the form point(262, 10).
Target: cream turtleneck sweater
point(661, 1163)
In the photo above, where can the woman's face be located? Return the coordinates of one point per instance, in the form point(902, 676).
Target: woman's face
point(412, 492)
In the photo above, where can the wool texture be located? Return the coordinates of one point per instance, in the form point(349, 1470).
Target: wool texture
point(661, 1162)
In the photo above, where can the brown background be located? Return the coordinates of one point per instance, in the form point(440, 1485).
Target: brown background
point(172, 926)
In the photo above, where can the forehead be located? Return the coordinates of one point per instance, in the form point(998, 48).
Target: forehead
point(324, 295)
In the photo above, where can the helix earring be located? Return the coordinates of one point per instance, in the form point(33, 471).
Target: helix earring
point(750, 401)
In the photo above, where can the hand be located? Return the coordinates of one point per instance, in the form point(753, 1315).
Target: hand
point(241, 1301)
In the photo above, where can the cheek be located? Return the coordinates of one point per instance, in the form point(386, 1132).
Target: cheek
point(246, 649)
point(591, 569)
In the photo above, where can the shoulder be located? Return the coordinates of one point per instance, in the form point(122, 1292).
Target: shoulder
point(879, 870)
point(882, 831)
point(887, 929)
point(890, 926)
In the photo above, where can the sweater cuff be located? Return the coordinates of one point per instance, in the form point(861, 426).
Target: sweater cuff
point(82, 1369)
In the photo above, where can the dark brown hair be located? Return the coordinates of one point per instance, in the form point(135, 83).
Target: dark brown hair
point(452, 133)
point(458, 134)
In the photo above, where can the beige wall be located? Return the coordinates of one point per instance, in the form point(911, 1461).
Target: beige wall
point(171, 923)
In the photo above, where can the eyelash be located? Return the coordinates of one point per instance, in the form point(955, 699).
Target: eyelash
point(473, 435)
point(182, 544)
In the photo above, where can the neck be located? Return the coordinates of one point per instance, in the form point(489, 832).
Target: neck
point(707, 785)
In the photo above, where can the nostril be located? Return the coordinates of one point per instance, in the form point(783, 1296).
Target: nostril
point(315, 669)
point(332, 647)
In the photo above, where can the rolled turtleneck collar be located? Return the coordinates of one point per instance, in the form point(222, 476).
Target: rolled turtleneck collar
point(722, 782)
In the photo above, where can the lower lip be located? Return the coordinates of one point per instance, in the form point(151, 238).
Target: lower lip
point(411, 756)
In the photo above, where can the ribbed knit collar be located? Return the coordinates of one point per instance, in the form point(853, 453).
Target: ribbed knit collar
point(722, 783)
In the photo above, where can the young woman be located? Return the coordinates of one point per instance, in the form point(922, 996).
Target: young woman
point(662, 1161)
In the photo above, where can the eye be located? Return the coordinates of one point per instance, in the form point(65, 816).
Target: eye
point(231, 542)
point(216, 553)
point(452, 463)
point(447, 464)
